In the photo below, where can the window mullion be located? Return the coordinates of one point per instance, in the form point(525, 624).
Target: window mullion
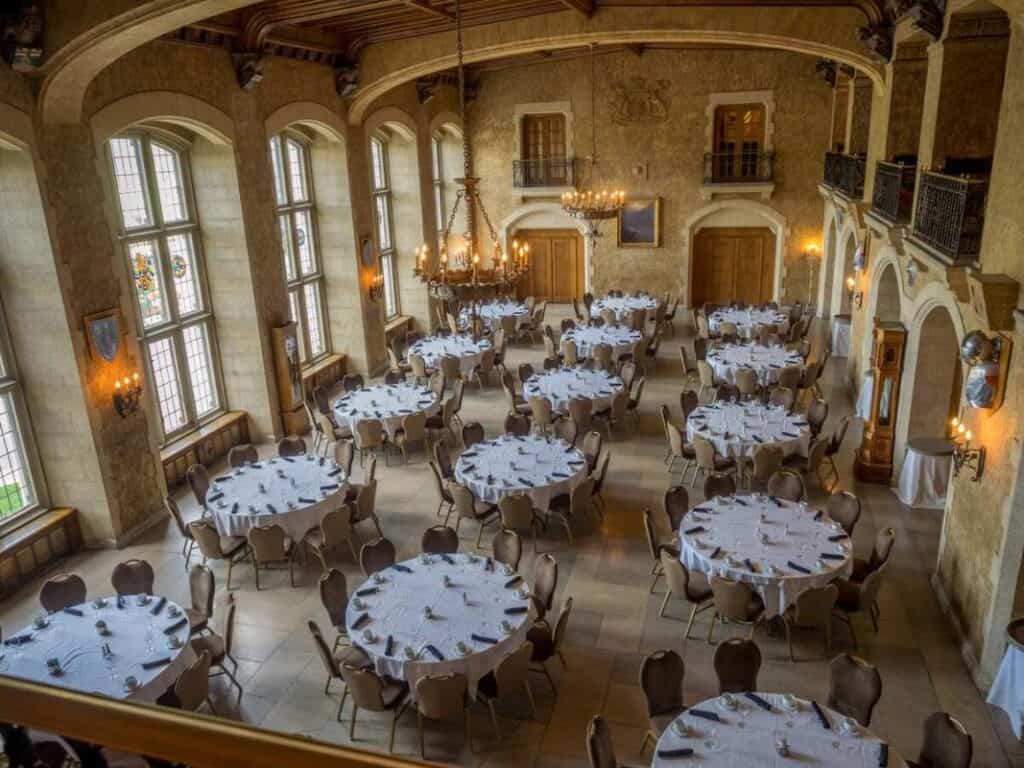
point(184, 379)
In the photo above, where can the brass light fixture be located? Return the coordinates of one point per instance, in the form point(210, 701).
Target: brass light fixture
point(964, 456)
point(127, 395)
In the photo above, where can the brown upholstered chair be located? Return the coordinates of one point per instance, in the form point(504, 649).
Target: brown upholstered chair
point(693, 587)
point(187, 542)
point(376, 556)
point(767, 461)
point(507, 548)
point(676, 503)
point(854, 688)
point(737, 662)
point(472, 433)
point(545, 583)
point(517, 514)
point(445, 698)
point(735, 602)
point(213, 546)
point(335, 529)
point(517, 424)
point(510, 676)
point(335, 663)
point(947, 744)
point(812, 609)
point(439, 539)
point(661, 679)
point(291, 446)
point(192, 688)
point(573, 505)
point(268, 544)
point(547, 643)
point(786, 485)
point(244, 454)
point(334, 597)
point(201, 587)
point(884, 541)
point(844, 508)
point(719, 485)
point(133, 577)
point(860, 597)
point(708, 461)
point(467, 507)
point(445, 501)
point(219, 647)
point(198, 479)
point(63, 591)
point(600, 748)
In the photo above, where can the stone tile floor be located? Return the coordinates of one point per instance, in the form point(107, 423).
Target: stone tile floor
point(614, 624)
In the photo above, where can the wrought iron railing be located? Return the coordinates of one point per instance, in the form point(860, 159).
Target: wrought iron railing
point(893, 196)
point(738, 167)
point(950, 215)
point(546, 172)
point(845, 174)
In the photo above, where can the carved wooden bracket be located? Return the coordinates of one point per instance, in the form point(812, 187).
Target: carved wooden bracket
point(926, 15)
point(248, 69)
point(878, 39)
point(827, 70)
point(994, 297)
point(426, 87)
point(346, 78)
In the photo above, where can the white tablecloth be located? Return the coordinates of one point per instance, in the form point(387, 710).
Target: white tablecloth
point(767, 362)
point(136, 636)
point(1007, 692)
point(396, 610)
point(841, 336)
point(619, 338)
point(867, 386)
point(492, 312)
point(389, 403)
point(924, 479)
point(747, 320)
point(623, 305)
point(508, 465)
point(433, 348)
point(300, 490)
point(737, 430)
point(747, 737)
point(793, 536)
point(560, 385)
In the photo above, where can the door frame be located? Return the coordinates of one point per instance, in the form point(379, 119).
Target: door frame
point(762, 234)
point(556, 232)
point(547, 215)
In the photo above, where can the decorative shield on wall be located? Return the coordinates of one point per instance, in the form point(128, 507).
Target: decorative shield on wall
point(103, 330)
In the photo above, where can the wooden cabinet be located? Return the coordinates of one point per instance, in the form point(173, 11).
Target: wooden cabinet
point(873, 461)
point(733, 264)
point(556, 264)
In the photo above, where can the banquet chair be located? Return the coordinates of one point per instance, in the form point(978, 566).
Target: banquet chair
point(666, 420)
point(418, 367)
point(213, 546)
point(393, 377)
point(515, 401)
point(541, 413)
point(62, 591)
point(600, 748)
point(369, 475)
point(467, 507)
point(670, 315)
point(854, 688)
point(782, 396)
point(676, 504)
point(336, 662)
point(369, 438)
point(719, 485)
point(579, 311)
point(588, 302)
point(844, 508)
point(240, 455)
point(451, 369)
point(511, 675)
point(396, 365)
point(547, 643)
point(472, 433)
point(573, 505)
point(291, 446)
point(700, 349)
point(592, 444)
point(376, 555)
point(817, 412)
point(786, 485)
point(545, 582)
point(334, 596)
point(412, 432)
point(458, 392)
point(650, 357)
point(517, 514)
point(567, 324)
point(581, 411)
point(615, 413)
point(690, 371)
point(192, 688)
point(322, 400)
point(507, 548)
point(566, 429)
point(637, 318)
point(517, 424)
point(440, 423)
point(439, 540)
point(509, 326)
point(133, 577)
point(334, 530)
point(862, 597)
point(437, 384)
point(947, 744)
point(608, 316)
point(218, 647)
point(809, 379)
point(366, 506)
point(452, 322)
point(552, 363)
point(789, 377)
point(656, 538)
point(627, 372)
point(729, 332)
point(834, 444)
point(708, 461)
point(689, 401)
point(482, 371)
point(735, 602)
point(599, 475)
point(445, 500)
point(661, 680)
point(352, 381)
point(693, 587)
point(767, 461)
point(747, 384)
point(602, 356)
point(443, 461)
point(201, 588)
point(633, 408)
point(812, 609)
point(198, 479)
point(727, 393)
point(268, 544)
point(187, 542)
point(884, 541)
point(810, 465)
point(445, 698)
point(737, 662)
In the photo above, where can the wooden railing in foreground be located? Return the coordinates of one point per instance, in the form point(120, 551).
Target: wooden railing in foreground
point(170, 734)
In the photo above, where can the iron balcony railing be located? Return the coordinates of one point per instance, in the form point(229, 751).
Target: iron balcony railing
point(738, 167)
point(950, 215)
point(546, 172)
point(893, 196)
point(845, 174)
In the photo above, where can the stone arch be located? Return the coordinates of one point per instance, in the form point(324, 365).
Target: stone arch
point(829, 248)
point(318, 118)
point(883, 295)
point(739, 213)
point(16, 134)
point(446, 120)
point(181, 109)
point(546, 215)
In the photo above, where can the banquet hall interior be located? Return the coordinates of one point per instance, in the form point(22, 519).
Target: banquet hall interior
point(511, 383)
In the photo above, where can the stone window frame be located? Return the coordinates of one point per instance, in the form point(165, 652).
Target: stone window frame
point(521, 111)
point(384, 191)
point(766, 98)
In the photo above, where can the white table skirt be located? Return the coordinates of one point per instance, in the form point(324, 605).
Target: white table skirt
point(766, 362)
point(1007, 692)
point(734, 429)
point(390, 403)
point(508, 465)
point(492, 312)
point(793, 535)
point(619, 338)
point(433, 348)
point(560, 385)
point(924, 479)
point(867, 386)
point(136, 636)
point(320, 487)
point(747, 320)
point(396, 610)
point(746, 738)
point(841, 336)
point(623, 306)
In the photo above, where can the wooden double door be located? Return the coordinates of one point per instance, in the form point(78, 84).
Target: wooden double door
point(733, 264)
point(556, 264)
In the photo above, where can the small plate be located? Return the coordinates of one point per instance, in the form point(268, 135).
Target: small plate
point(131, 683)
point(680, 728)
point(174, 642)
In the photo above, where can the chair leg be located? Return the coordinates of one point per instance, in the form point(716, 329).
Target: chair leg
point(327, 685)
point(689, 624)
point(664, 603)
point(209, 703)
point(231, 565)
point(419, 727)
point(291, 568)
point(789, 639)
point(711, 626)
point(494, 719)
point(529, 695)
point(352, 725)
point(394, 726)
point(256, 570)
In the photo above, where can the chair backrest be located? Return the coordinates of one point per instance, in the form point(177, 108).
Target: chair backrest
point(366, 501)
point(705, 452)
point(199, 481)
point(562, 626)
point(133, 577)
point(581, 411)
point(600, 748)
point(947, 744)
point(602, 472)
point(677, 575)
point(569, 351)
point(192, 687)
point(884, 541)
point(651, 532)
point(329, 662)
point(789, 377)
point(443, 697)
point(688, 402)
point(507, 547)
point(334, 596)
point(545, 580)
point(783, 396)
point(817, 412)
point(627, 372)
point(700, 350)
point(676, 503)
point(786, 485)
point(813, 607)
point(767, 461)
point(463, 499)
point(661, 679)
point(567, 429)
point(737, 662)
point(439, 539)
point(732, 598)
point(580, 497)
point(336, 525)
point(451, 367)
point(241, 455)
point(706, 373)
point(322, 398)
point(870, 586)
point(376, 556)
point(517, 424)
point(516, 512)
point(746, 381)
point(836, 442)
point(472, 433)
point(540, 410)
point(443, 460)
point(207, 538)
point(414, 425)
point(202, 587)
point(369, 433)
point(719, 485)
point(418, 366)
point(638, 392)
point(727, 392)
point(63, 591)
point(437, 383)
point(512, 671)
point(844, 508)
point(267, 543)
point(291, 446)
point(175, 512)
point(352, 381)
point(592, 443)
point(439, 483)
point(854, 688)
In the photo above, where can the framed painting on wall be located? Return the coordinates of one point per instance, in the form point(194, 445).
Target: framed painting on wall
point(103, 333)
point(640, 223)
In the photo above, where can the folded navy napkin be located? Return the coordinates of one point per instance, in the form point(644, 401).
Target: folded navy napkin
point(222, 479)
point(559, 474)
point(366, 591)
point(402, 568)
point(484, 639)
point(390, 646)
point(74, 611)
point(120, 602)
point(704, 714)
point(821, 716)
point(759, 701)
point(818, 514)
point(361, 621)
point(448, 559)
point(758, 439)
point(513, 581)
point(159, 606)
point(516, 610)
point(702, 509)
point(740, 501)
point(334, 472)
point(436, 653)
point(839, 537)
point(797, 567)
point(321, 460)
point(234, 508)
point(716, 553)
point(570, 449)
point(215, 496)
point(256, 465)
point(695, 529)
point(750, 565)
point(272, 509)
point(468, 453)
point(488, 564)
point(468, 466)
point(18, 639)
point(289, 459)
point(524, 481)
point(328, 487)
point(681, 752)
point(156, 663)
point(179, 624)
point(832, 556)
point(304, 500)
point(883, 755)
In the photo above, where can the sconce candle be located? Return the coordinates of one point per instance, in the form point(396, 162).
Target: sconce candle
point(127, 395)
point(964, 456)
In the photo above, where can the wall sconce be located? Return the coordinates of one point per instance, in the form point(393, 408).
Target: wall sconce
point(964, 456)
point(376, 286)
point(127, 395)
point(989, 360)
point(855, 295)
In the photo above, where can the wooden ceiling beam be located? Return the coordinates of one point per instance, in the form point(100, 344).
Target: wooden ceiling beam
point(586, 7)
point(426, 7)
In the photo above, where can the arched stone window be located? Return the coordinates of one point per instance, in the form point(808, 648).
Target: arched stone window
point(384, 224)
point(17, 484)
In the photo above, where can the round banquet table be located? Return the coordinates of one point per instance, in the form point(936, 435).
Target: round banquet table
point(747, 320)
point(433, 348)
point(540, 467)
point(767, 362)
point(481, 592)
point(293, 492)
point(560, 385)
point(924, 476)
point(731, 529)
point(736, 430)
point(623, 305)
point(389, 403)
point(492, 312)
point(748, 735)
point(619, 338)
point(136, 637)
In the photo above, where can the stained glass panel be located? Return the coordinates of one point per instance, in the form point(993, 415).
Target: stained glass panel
point(183, 270)
point(148, 283)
